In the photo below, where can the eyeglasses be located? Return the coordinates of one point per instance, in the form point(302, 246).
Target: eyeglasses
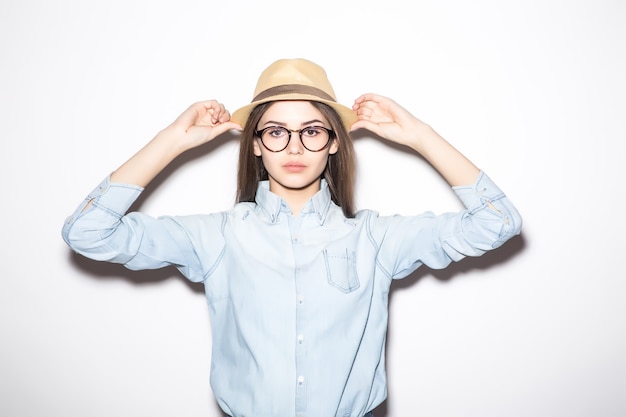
point(313, 138)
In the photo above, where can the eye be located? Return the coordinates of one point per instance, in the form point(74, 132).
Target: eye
point(275, 132)
point(313, 131)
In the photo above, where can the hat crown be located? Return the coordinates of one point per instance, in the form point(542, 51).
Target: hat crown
point(294, 79)
point(294, 72)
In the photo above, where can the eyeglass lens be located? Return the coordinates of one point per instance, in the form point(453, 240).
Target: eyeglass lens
point(313, 138)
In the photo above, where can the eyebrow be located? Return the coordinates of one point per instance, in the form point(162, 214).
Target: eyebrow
point(307, 123)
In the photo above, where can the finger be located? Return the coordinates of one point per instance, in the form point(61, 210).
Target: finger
point(208, 112)
point(197, 113)
point(364, 108)
point(221, 115)
point(364, 112)
point(217, 113)
point(367, 97)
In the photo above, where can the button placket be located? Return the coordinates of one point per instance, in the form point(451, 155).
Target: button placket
point(299, 257)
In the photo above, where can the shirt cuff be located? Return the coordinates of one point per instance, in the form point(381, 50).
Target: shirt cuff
point(483, 191)
point(114, 197)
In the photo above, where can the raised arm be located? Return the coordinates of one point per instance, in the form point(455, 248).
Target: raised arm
point(199, 124)
point(389, 120)
point(100, 227)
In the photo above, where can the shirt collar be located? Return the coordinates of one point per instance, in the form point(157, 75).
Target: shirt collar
point(271, 203)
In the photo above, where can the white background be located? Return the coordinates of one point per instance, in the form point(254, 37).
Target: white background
point(532, 91)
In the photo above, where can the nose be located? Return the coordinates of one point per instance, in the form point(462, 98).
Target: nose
point(295, 147)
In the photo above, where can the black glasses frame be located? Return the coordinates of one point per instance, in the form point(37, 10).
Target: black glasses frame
point(331, 136)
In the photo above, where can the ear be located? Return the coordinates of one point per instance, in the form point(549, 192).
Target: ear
point(334, 147)
point(257, 147)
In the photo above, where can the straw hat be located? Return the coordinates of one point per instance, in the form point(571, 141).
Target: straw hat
point(294, 79)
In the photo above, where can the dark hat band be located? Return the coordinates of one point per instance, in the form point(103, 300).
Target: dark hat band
point(293, 89)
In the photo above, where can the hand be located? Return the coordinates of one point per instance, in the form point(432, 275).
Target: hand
point(200, 123)
point(388, 119)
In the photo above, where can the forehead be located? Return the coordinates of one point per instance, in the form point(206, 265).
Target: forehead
point(292, 111)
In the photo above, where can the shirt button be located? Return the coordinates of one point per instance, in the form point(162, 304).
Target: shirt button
point(300, 380)
point(300, 338)
point(301, 299)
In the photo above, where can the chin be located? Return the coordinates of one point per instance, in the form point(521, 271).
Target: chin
point(299, 184)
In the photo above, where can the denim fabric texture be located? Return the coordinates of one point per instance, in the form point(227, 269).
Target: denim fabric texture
point(298, 305)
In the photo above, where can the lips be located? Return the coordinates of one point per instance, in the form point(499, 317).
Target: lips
point(294, 166)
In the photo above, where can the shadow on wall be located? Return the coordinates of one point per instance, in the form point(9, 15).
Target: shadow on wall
point(508, 250)
point(107, 270)
point(511, 248)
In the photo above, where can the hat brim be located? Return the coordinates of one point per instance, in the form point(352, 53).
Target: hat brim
point(348, 116)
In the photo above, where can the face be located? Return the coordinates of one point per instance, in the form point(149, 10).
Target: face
point(294, 169)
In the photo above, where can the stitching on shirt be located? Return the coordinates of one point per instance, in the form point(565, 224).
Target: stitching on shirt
point(370, 236)
point(223, 251)
point(341, 270)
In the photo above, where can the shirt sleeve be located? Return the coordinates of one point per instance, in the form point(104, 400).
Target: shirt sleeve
point(101, 230)
point(407, 242)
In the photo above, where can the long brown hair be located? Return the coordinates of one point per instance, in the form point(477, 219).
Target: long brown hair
point(339, 172)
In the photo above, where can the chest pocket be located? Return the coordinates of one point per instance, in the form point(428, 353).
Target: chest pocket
point(341, 270)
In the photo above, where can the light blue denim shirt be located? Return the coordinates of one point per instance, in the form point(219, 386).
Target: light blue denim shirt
point(298, 305)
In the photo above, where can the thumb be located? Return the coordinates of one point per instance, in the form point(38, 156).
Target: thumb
point(224, 127)
point(364, 124)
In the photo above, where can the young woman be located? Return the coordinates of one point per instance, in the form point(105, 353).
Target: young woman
point(296, 279)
